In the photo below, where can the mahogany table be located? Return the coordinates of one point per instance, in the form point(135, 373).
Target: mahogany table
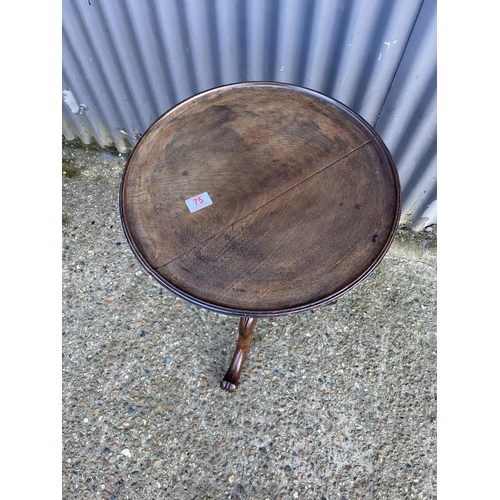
point(259, 200)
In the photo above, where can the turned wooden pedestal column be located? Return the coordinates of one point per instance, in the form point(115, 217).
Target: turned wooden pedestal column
point(259, 200)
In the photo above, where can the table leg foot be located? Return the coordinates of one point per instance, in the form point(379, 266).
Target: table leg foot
point(230, 380)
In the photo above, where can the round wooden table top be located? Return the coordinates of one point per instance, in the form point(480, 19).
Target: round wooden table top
point(260, 199)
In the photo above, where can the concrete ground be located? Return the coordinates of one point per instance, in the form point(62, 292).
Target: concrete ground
point(338, 403)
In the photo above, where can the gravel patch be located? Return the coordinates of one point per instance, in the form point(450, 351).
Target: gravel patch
point(337, 403)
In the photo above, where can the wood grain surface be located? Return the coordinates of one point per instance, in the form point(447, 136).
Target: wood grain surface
point(306, 199)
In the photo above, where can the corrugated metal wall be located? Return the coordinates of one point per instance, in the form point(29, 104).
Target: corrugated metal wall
point(126, 62)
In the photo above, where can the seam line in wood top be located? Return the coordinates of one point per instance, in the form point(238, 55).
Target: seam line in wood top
point(267, 202)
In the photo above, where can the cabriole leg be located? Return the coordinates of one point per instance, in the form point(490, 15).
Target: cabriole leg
point(230, 380)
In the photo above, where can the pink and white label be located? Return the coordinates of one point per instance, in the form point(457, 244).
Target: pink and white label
point(198, 202)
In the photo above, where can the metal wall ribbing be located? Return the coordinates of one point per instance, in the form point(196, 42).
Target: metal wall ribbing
point(126, 62)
